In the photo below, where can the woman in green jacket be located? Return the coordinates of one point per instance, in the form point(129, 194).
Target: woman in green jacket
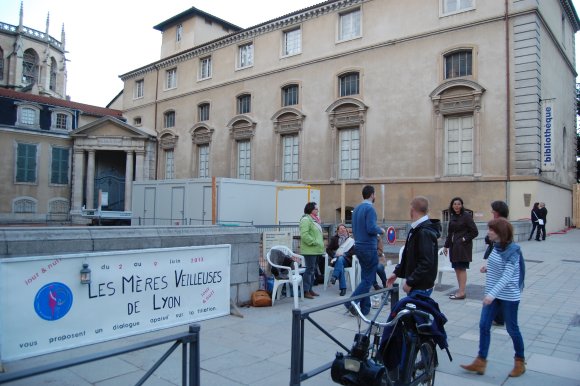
point(311, 245)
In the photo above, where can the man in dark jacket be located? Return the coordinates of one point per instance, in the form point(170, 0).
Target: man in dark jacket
point(542, 227)
point(418, 264)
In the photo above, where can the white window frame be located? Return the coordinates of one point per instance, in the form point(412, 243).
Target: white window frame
point(205, 68)
point(201, 112)
point(22, 115)
point(462, 146)
point(178, 32)
point(169, 164)
point(54, 119)
point(349, 154)
point(244, 158)
point(240, 103)
point(203, 160)
point(169, 122)
point(171, 78)
point(139, 89)
point(458, 52)
point(452, 7)
point(292, 42)
point(20, 205)
point(245, 55)
point(343, 78)
point(285, 94)
point(347, 25)
point(290, 157)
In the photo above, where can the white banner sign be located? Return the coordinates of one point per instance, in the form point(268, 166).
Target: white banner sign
point(45, 308)
point(548, 120)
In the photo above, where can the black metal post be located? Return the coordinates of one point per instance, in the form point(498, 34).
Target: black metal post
point(296, 349)
point(194, 357)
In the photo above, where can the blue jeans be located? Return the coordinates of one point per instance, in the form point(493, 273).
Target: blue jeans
point(510, 314)
point(426, 292)
point(308, 276)
point(338, 271)
point(382, 274)
point(368, 260)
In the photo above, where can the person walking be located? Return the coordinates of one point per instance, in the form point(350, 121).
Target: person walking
point(503, 288)
point(339, 251)
point(542, 222)
point(535, 217)
point(419, 263)
point(499, 209)
point(311, 245)
point(365, 231)
point(459, 243)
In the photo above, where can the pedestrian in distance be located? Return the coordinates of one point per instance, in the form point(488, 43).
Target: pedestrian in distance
point(311, 245)
point(535, 217)
point(542, 222)
point(419, 263)
point(499, 209)
point(365, 231)
point(504, 283)
point(340, 250)
point(459, 243)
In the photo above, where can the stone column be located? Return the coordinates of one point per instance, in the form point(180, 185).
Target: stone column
point(77, 180)
point(139, 164)
point(128, 180)
point(91, 180)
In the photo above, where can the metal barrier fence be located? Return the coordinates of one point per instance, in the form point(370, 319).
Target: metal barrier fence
point(299, 316)
point(190, 358)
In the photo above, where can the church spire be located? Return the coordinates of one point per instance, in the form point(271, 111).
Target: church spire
point(21, 22)
point(47, 22)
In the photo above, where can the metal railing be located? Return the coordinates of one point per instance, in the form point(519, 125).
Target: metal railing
point(299, 317)
point(190, 358)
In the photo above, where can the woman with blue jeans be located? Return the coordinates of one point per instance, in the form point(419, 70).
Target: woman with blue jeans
point(503, 286)
point(339, 252)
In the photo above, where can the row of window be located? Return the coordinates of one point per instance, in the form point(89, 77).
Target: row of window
point(457, 64)
point(28, 115)
point(58, 206)
point(26, 168)
point(349, 27)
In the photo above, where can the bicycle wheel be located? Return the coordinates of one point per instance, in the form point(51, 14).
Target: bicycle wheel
point(421, 364)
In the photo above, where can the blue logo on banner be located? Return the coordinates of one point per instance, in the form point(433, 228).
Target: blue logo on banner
point(53, 301)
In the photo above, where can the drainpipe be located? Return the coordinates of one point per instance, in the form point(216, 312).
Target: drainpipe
point(508, 104)
point(155, 122)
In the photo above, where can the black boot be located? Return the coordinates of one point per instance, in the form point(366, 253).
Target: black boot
point(342, 291)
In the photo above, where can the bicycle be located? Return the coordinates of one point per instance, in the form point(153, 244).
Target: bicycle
point(365, 363)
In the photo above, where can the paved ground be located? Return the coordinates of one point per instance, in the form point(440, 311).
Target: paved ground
point(255, 350)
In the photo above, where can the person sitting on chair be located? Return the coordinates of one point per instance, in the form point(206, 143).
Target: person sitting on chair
point(282, 257)
point(340, 250)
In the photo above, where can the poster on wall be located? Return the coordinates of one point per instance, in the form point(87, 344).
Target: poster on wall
point(45, 307)
point(548, 121)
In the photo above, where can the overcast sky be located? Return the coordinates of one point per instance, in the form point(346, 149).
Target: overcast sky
point(108, 38)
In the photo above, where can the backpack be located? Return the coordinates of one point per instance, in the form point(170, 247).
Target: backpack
point(261, 298)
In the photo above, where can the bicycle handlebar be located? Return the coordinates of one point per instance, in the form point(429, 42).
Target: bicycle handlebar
point(409, 309)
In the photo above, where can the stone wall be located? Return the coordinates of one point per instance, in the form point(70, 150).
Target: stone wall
point(44, 241)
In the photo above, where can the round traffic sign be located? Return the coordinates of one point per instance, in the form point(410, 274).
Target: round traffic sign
point(391, 235)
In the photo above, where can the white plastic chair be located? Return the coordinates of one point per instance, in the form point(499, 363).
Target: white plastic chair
point(294, 277)
point(353, 272)
point(443, 265)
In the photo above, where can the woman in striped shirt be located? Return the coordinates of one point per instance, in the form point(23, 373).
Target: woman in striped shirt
point(503, 288)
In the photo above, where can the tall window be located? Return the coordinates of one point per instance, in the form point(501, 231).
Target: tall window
point(169, 164)
point(451, 6)
point(1, 64)
point(244, 104)
point(292, 42)
point(349, 84)
point(29, 67)
point(171, 78)
point(178, 32)
point(244, 160)
point(246, 55)
point(169, 119)
point(290, 158)
point(53, 70)
point(203, 112)
point(26, 163)
point(349, 25)
point(62, 121)
point(139, 89)
point(290, 95)
point(28, 116)
point(349, 162)
point(459, 143)
point(203, 162)
point(25, 205)
point(59, 167)
point(205, 68)
point(458, 63)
